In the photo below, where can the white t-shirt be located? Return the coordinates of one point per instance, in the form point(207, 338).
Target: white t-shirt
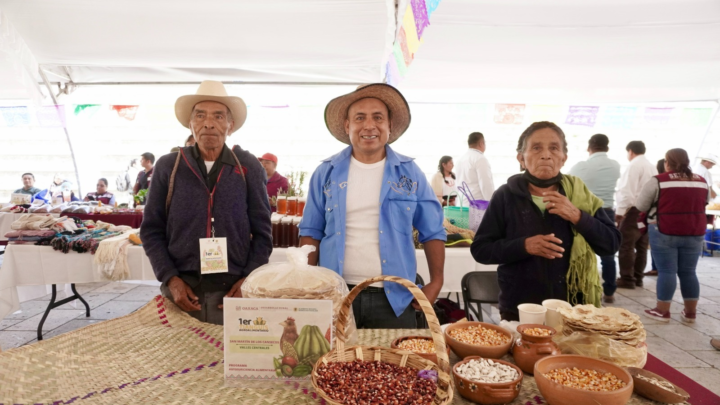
point(362, 222)
point(209, 165)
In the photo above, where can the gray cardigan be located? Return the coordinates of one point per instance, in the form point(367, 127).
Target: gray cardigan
point(241, 211)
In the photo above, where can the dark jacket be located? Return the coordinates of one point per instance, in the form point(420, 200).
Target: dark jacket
point(511, 218)
point(241, 212)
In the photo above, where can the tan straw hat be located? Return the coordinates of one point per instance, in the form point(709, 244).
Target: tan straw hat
point(337, 110)
point(211, 90)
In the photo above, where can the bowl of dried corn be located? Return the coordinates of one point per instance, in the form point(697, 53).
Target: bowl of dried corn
point(572, 380)
point(478, 339)
point(423, 346)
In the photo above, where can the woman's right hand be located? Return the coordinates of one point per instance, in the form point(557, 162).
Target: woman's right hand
point(547, 246)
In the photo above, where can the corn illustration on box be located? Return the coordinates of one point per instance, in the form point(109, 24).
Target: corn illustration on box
point(274, 339)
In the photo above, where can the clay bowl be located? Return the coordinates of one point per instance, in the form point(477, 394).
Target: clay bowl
point(427, 356)
point(556, 394)
point(487, 393)
point(463, 350)
point(652, 391)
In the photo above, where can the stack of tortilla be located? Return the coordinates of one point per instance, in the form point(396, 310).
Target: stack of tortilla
point(617, 324)
point(296, 280)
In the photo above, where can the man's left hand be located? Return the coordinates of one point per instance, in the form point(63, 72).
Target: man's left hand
point(235, 291)
point(559, 205)
point(431, 291)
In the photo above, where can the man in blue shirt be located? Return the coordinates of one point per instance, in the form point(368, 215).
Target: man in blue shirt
point(600, 174)
point(364, 202)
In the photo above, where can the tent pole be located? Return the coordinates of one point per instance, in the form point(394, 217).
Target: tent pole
point(709, 127)
point(67, 134)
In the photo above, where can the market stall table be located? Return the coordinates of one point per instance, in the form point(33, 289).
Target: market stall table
point(132, 220)
point(159, 354)
point(29, 265)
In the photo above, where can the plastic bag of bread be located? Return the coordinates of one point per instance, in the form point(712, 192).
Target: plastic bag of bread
point(295, 279)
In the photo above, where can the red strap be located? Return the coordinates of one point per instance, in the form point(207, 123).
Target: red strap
point(211, 195)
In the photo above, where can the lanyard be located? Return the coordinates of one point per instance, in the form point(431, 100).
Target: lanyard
point(211, 198)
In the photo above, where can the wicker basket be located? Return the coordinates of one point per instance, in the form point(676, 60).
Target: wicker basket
point(403, 358)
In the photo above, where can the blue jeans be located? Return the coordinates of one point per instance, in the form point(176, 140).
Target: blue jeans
point(676, 257)
point(609, 268)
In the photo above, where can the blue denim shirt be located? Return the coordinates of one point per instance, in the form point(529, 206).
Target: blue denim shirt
point(406, 201)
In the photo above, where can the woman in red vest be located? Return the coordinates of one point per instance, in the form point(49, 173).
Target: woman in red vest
point(101, 194)
point(675, 202)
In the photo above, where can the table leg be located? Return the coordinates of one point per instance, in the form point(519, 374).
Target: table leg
point(47, 312)
point(87, 307)
point(53, 304)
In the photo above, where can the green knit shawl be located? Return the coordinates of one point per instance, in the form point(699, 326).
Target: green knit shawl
point(583, 274)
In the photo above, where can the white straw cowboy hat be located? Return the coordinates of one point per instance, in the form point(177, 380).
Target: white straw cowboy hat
point(211, 90)
point(709, 157)
point(337, 110)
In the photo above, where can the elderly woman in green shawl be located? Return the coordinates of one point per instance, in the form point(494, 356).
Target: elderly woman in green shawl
point(543, 228)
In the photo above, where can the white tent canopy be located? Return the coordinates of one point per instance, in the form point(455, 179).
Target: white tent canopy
point(623, 57)
point(473, 50)
point(565, 50)
point(339, 41)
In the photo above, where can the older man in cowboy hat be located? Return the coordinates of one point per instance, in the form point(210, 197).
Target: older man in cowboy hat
point(703, 167)
point(364, 202)
point(207, 220)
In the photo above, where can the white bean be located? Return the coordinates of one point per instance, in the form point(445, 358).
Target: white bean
point(487, 371)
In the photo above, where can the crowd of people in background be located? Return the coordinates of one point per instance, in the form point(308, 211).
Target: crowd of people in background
point(542, 228)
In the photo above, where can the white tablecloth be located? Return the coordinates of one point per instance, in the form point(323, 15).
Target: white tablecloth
point(40, 265)
point(6, 219)
point(25, 265)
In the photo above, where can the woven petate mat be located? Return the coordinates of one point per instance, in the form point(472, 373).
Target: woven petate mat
point(158, 355)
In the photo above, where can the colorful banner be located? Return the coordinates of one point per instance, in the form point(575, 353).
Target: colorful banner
point(393, 74)
point(409, 38)
point(15, 116)
point(125, 111)
point(658, 115)
point(410, 31)
point(51, 116)
point(86, 109)
point(696, 117)
point(402, 41)
point(618, 117)
point(399, 59)
point(431, 5)
point(511, 114)
point(582, 115)
point(420, 14)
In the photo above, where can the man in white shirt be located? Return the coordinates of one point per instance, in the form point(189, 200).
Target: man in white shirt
point(703, 167)
point(634, 246)
point(473, 168)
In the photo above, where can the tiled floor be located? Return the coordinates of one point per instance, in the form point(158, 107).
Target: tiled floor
point(686, 347)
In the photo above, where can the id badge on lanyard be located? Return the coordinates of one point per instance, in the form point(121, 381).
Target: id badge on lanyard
point(213, 254)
